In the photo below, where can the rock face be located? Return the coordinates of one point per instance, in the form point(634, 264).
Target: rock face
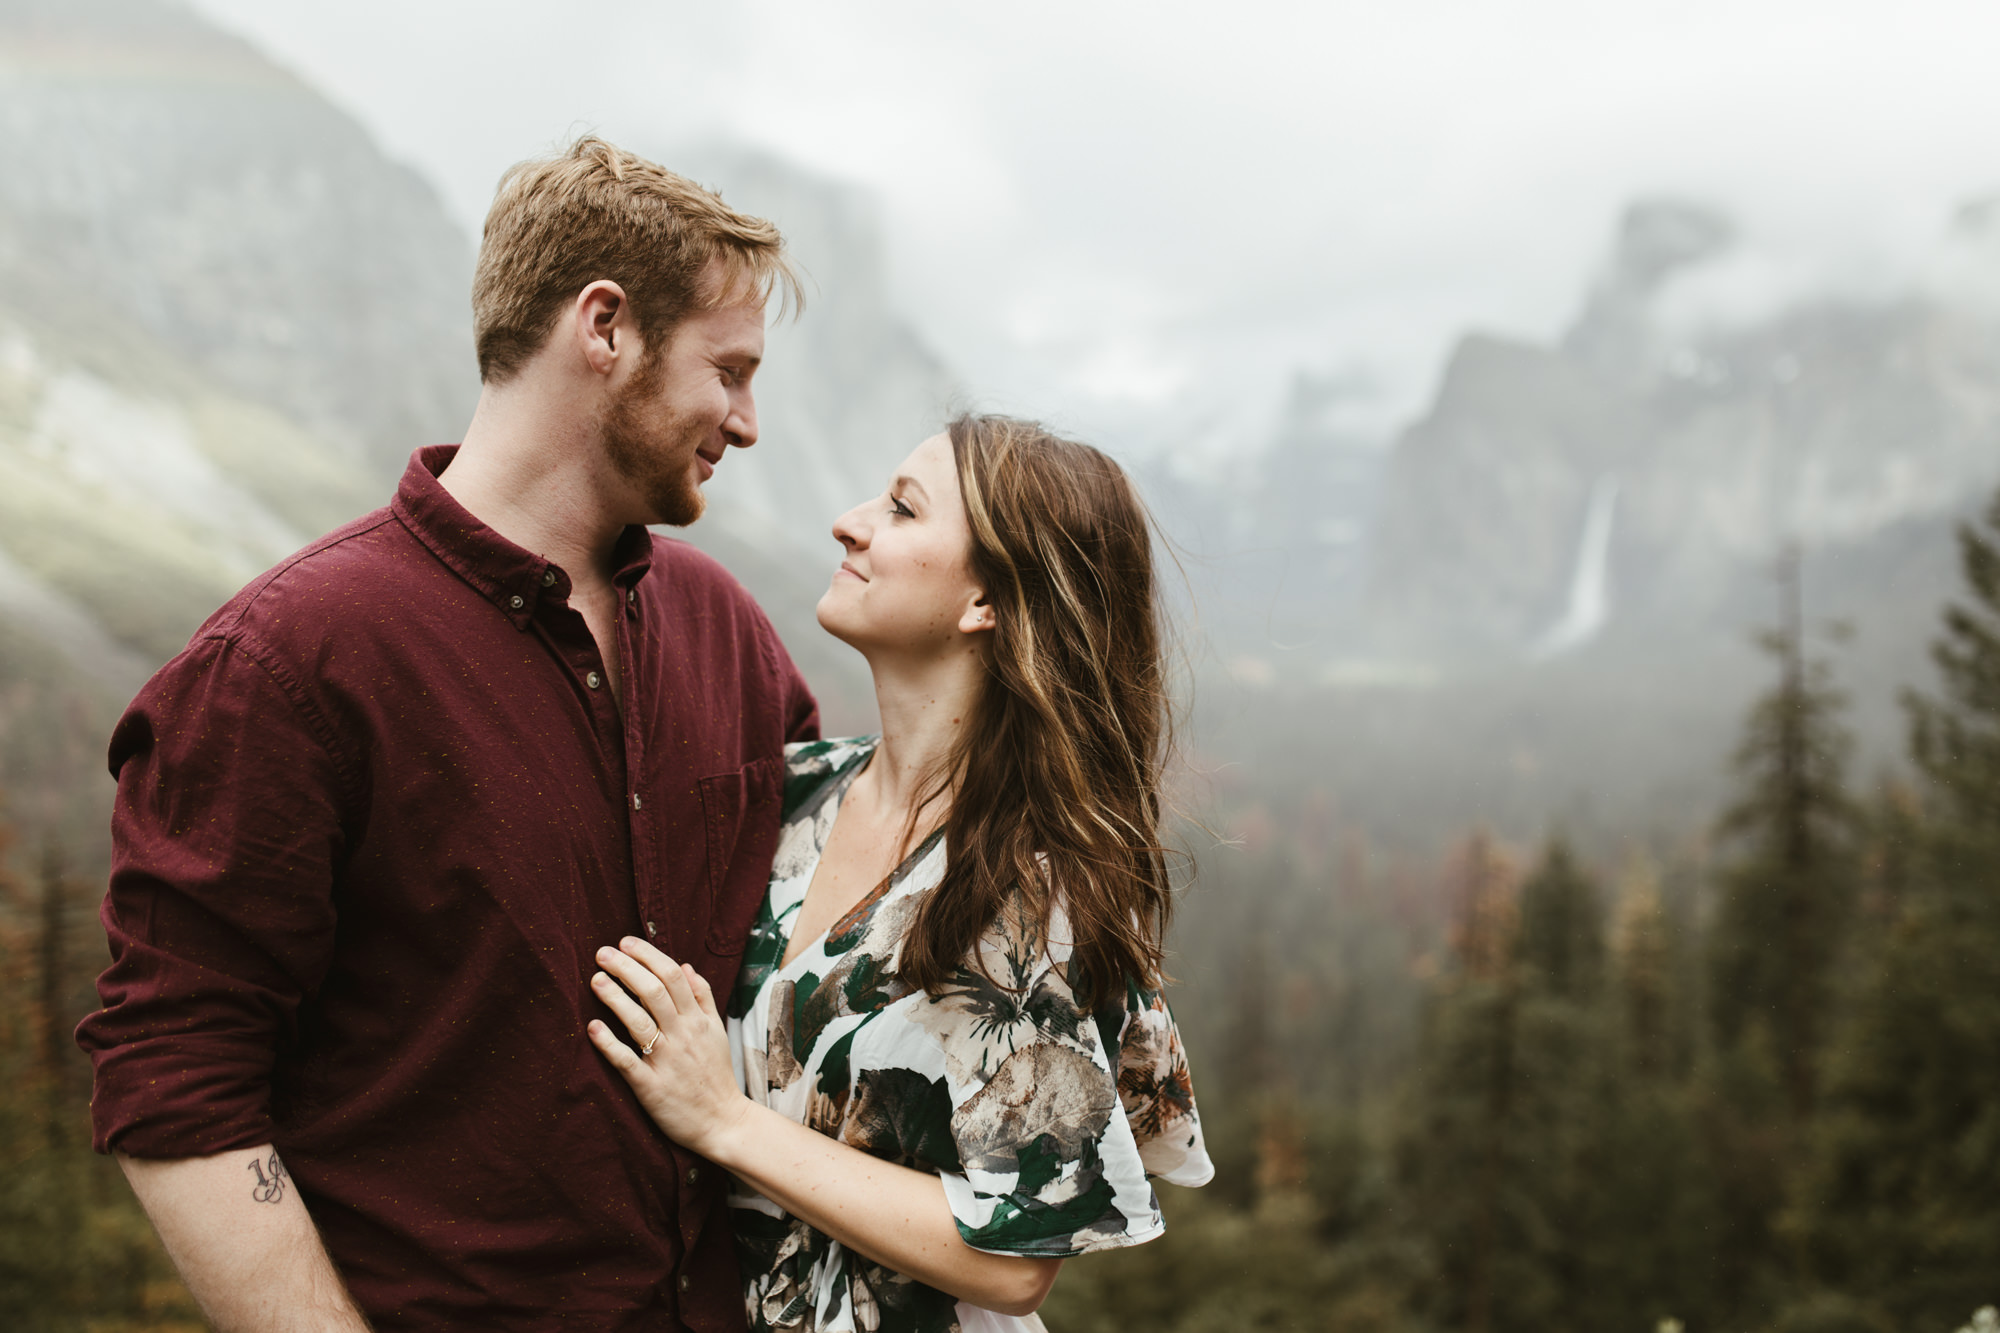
point(1826, 423)
point(1550, 613)
point(1271, 548)
point(172, 174)
point(1485, 498)
point(1657, 239)
point(225, 319)
point(138, 493)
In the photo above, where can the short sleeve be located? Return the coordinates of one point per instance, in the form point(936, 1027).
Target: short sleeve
point(1157, 1092)
point(1049, 1163)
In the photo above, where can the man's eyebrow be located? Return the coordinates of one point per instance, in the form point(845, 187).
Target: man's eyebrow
point(911, 484)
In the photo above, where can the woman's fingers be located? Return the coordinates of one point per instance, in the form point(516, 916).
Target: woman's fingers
point(640, 1022)
point(622, 1057)
point(642, 981)
point(704, 995)
point(672, 976)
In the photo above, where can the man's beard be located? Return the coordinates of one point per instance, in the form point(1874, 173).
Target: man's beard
point(654, 449)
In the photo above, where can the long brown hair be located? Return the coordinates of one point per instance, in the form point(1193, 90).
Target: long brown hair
point(1056, 781)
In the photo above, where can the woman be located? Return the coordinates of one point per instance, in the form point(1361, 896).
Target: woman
point(947, 1066)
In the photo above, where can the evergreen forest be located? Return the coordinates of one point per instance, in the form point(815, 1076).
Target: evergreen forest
point(1746, 1085)
point(1750, 1084)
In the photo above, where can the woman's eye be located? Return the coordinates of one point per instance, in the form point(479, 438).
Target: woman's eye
point(900, 509)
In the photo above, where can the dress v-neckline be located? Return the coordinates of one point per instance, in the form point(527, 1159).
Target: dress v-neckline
point(868, 901)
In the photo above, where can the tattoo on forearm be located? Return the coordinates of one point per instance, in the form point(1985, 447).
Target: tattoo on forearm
point(270, 1186)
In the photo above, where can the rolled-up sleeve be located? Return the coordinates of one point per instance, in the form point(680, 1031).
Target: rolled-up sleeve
point(226, 837)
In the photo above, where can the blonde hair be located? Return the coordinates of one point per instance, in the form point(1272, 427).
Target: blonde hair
point(596, 212)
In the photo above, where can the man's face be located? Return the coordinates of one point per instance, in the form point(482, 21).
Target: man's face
point(667, 425)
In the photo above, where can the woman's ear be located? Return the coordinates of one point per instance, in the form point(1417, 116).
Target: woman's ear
point(978, 616)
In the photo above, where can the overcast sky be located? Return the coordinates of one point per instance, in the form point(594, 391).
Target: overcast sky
point(1143, 219)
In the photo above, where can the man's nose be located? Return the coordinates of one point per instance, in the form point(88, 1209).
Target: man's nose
point(740, 426)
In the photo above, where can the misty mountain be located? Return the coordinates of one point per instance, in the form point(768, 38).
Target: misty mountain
point(1550, 607)
point(1711, 445)
point(226, 318)
point(222, 206)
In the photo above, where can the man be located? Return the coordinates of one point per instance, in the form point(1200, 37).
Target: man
point(374, 822)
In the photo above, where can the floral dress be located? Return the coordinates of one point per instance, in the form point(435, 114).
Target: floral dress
point(1043, 1121)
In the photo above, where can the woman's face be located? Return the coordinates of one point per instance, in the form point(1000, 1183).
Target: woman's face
point(906, 584)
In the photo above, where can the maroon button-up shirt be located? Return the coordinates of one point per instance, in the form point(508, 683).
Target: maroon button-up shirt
point(371, 827)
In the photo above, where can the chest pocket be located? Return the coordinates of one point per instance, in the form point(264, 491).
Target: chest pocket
point(739, 813)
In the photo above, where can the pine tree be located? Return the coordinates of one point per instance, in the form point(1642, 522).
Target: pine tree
point(1564, 1084)
point(1901, 1206)
point(1480, 1133)
point(1645, 973)
point(1786, 903)
point(75, 1250)
point(1562, 927)
point(1955, 736)
point(1558, 1188)
point(1640, 1217)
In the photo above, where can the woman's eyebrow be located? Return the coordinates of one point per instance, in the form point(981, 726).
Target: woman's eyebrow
point(911, 484)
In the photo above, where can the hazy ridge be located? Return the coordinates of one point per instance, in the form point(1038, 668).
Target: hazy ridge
point(225, 319)
point(1538, 603)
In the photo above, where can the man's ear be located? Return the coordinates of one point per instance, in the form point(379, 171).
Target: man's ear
point(979, 615)
point(602, 325)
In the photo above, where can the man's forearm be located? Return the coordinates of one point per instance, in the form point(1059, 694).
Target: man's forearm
point(244, 1243)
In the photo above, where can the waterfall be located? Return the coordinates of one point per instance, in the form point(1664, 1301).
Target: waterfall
point(1589, 605)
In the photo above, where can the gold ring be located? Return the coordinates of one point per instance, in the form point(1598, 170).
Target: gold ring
point(647, 1049)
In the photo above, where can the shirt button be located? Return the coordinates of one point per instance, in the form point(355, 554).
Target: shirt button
point(635, 800)
point(694, 1174)
point(686, 1282)
point(652, 929)
point(593, 680)
point(517, 602)
point(548, 578)
point(632, 596)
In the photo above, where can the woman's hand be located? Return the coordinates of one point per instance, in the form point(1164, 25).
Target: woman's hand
point(679, 1060)
point(679, 1065)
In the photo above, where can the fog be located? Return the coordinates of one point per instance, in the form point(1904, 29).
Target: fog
point(1142, 220)
point(1500, 376)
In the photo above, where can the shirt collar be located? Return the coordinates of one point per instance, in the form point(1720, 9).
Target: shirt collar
point(512, 578)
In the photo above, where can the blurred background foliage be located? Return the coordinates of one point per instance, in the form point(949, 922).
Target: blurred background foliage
point(1742, 1084)
point(1562, 953)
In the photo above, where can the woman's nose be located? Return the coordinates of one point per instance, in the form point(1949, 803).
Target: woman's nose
point(847, 530)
